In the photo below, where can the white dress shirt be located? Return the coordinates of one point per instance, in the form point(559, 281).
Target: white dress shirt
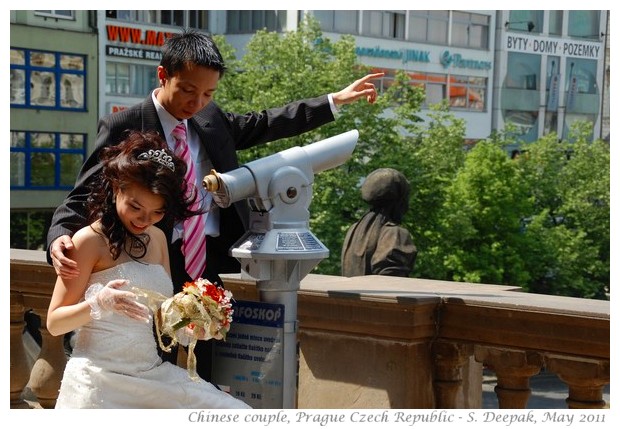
point(201, 164)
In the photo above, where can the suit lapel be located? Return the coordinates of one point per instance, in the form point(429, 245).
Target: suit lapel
point(202, 125)
point(150, 120)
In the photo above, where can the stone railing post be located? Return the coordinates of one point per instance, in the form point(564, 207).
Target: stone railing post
point(449, 360)
point(513, 369)
point(32, 280)
point(48, 369)
point(585, 378)
point(19, 368)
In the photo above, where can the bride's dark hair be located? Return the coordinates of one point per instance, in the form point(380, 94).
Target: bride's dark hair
point(129, 163)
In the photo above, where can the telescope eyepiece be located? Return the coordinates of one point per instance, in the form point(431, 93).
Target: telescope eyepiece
point(211, 182)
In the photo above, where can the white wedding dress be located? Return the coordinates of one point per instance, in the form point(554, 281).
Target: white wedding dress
point(115, 363)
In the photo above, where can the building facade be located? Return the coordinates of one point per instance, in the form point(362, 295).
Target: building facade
point(53, 113)
point(538, 70)
point(550, 71)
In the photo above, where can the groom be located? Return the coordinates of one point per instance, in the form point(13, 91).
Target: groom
point(189, 73)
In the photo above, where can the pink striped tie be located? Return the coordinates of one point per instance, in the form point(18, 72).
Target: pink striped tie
point(194, 239)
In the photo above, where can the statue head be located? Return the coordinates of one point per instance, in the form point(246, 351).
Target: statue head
point(386, 190)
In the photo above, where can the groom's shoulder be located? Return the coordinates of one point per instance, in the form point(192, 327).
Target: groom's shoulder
point(130, 113)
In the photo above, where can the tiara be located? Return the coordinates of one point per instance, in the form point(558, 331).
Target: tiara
point(159, 156)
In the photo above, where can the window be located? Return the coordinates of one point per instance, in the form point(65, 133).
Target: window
point(462, 92)
point(198, 19)
point(525, 20)
point(18, 77)
point(46, 160)
point(49, 80)
point(250, 21)
point(117, 78)
point(523, 71)
point(584, 23)
point(580, 88)
point(555, 22)
point(148, 16)
point(124, 15)
point(130, 79)
point(58, 14)
point(338, 21)
point(378, 23)
point(468, 92)
point(520, 97)
point(470, 30)
point(435, 86)
point(172, 17)
point(583, 73)
point(429, 26)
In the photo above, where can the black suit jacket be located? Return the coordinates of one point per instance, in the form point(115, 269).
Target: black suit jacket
point(222, 134)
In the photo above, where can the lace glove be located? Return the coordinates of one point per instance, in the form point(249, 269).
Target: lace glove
point(108, 299)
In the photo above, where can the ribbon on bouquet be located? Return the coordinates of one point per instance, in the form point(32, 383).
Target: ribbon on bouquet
point(169, 320)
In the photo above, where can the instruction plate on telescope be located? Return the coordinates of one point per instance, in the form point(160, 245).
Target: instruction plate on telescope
point(297, 242)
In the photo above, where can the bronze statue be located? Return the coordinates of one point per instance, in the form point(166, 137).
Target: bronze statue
point(377, 244)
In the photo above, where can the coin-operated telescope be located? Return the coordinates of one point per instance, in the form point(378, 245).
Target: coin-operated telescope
point(278, 250)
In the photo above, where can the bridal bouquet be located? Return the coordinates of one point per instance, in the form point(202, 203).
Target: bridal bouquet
point(201, 306)
point(201, 311)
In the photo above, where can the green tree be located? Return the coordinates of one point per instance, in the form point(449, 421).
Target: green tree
point(437, 155)
point(570, 225)
point(481, 233)
point(29, 228)
point(587, 205)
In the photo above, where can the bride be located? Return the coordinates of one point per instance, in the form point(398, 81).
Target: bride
point(115, 362)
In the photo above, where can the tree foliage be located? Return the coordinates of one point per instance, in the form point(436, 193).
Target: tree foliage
point(480, 235)
point(539, 221)
point(570, 226)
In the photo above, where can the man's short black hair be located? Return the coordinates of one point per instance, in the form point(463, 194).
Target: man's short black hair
point(191, 47)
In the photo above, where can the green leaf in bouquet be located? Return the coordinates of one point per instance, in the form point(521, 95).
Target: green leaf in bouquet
point(181, 324)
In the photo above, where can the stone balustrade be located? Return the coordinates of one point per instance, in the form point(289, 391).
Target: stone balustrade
point(385, 342)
